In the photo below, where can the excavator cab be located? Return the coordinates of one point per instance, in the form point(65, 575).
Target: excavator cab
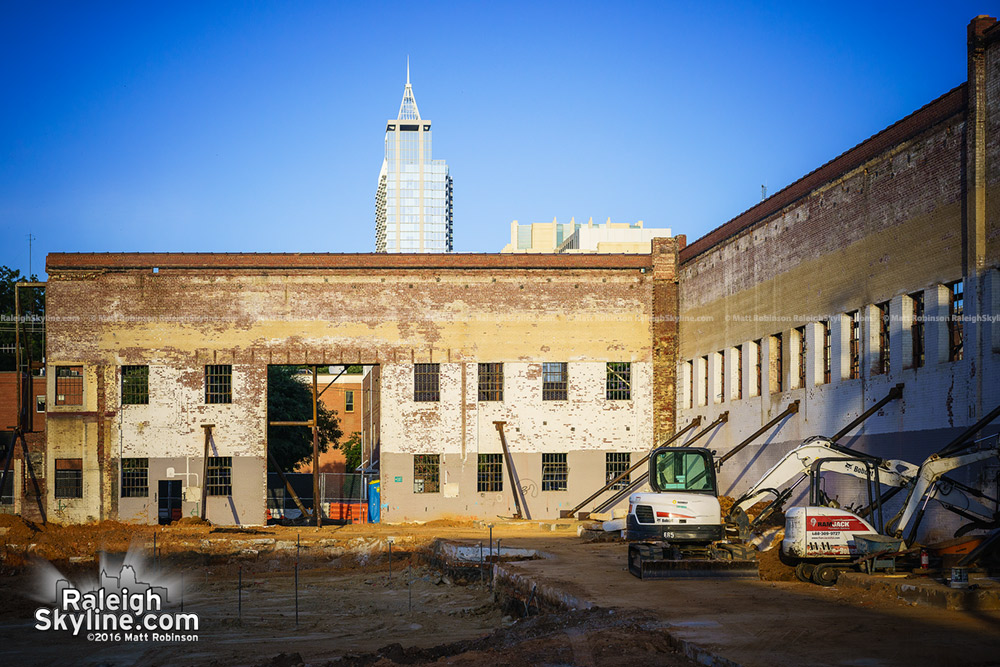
point(688, 470)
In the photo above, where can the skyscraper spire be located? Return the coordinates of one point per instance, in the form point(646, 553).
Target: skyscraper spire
point(408, 107)
point(413, 202)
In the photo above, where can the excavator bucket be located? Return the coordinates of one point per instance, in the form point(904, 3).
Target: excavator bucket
point(651, 562)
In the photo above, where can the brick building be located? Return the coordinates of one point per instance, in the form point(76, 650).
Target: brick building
point(563, 348)
point(852, 280)
point(344, 394)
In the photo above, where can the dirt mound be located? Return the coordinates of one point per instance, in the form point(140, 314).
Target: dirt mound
point(449, 523)
point(18, 530)
point(193, 521)
point(772, 569)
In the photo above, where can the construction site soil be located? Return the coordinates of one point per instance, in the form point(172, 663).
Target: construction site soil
point(352, 610)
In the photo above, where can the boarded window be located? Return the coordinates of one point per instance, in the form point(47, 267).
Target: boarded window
point(69, 385)
point(427, 382)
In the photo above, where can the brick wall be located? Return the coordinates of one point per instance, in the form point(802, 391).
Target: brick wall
point(179, 313)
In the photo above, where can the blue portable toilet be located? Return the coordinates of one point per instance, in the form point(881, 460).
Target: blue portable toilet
point(374, 501)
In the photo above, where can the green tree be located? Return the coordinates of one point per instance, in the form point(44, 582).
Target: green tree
point(352, 451)
point(290, 399)
point(32, 309)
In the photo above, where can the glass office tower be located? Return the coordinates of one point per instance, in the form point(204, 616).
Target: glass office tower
point(413, 204)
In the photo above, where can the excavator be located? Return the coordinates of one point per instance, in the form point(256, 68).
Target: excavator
point(822, 538)
point(677, 529)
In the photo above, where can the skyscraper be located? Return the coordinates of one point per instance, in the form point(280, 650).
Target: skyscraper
point(413, 204)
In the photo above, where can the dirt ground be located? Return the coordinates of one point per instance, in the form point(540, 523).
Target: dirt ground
point(351, 613)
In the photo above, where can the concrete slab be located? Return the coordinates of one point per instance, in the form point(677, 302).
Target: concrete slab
point(982, 594)
point(764, 623)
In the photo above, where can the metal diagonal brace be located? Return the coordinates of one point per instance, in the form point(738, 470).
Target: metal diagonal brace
point(612, 501)
point(694, 423)
point(894, 393)
point(790, 410)
point(519, 501)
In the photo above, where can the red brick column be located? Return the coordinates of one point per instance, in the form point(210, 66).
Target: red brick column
point(665, 311)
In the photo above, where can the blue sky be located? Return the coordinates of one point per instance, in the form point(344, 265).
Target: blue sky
point(259, 127)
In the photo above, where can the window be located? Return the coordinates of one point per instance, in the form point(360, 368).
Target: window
point(348, 400)
point(917, 329)
point(615, 464)
point(779, 368)
point(7, 492)
point(427, 382)
point(855, 347)
point(489, 476)
point(619, 381)
point(704, 381)
point(426, 473)
point(722, 376)
point(739, 373)
point(39, 404)
point(69, 478)
point(554, 472)
point(802, 356)
point(219, 481)
point(69, 385)
point(135, 478)
point(760, 369)
point(135, 385)
point(219, 384)
point(883, 337)
point(955, 308)
point(690, 374)
point(490, 382)
point(555, 380)
point(827, 347)
point(682, 471)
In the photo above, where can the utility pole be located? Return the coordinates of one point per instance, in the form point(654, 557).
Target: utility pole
point(30, 239)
